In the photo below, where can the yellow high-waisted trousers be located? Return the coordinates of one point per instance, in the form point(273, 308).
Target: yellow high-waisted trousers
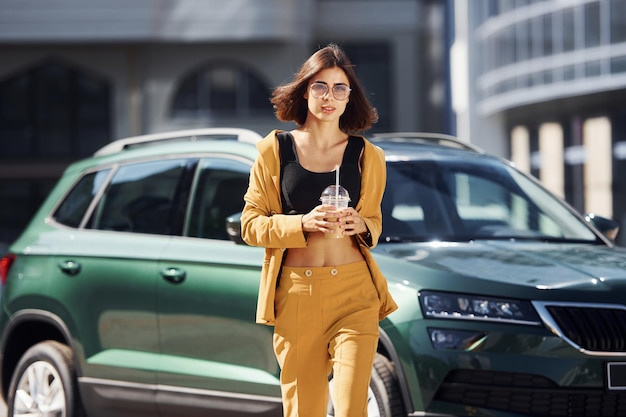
point(326, 318)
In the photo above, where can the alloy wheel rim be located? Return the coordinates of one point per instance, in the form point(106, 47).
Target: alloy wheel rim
point(39, 392)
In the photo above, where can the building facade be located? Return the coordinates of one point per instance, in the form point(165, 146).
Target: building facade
point(75, 75)
point(548, 79)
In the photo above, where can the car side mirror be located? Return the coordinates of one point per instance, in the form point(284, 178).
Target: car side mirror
point(608, 227)
point(233, 228)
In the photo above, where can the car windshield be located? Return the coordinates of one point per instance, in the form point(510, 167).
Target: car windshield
point(472, 199)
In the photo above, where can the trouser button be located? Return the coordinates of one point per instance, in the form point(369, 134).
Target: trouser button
point(308, 272)
point(333, 271)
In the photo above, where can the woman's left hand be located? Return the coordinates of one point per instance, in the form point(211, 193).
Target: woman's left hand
point(354, 224)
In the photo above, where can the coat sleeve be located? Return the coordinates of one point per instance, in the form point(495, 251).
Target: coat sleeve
point(373, 181)
point(261, 221)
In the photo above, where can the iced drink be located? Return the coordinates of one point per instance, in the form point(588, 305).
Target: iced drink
point(338, 197)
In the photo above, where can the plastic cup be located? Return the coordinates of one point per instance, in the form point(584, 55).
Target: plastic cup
point(338, 198)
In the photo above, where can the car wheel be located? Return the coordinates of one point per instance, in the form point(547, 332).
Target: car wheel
point(44, 383)
point(383, 394)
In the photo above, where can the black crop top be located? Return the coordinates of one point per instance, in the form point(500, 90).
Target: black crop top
point(301, 188)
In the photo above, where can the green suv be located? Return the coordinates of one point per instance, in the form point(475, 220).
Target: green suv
point(131, 293)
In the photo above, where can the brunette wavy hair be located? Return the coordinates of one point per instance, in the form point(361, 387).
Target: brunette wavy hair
point(291, 106)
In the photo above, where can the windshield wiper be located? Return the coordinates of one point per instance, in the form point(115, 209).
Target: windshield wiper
point(469, 238)
point(398, 239)
point(539, 238)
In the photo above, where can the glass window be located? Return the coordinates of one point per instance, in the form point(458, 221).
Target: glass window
point(548, 37)
point(222, 89)
point(537, 78)
point(618, 23)
point(482, 54)
point(510, 50)
point(53, 116)
point(480, 12)
point(92, 130)
point(618, 64)
point(372, 65)
point(592, 25)
point(523, 44)
point(536, 38)
point(19, 200)
point(503, 47)
point(569, 30)
point(74, 206)
point(142, 198)
point(593, 69)
point(496, 56)
point(218, 193)
point(548, 76)
point(15, 136)
point(493, 7)
point(523, 81)
point(506, 6)
point(54, 109)
point(569, 72)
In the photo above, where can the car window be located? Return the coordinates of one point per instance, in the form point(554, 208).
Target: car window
point(75, 204)
point(218, 193)
point(140, 198)
point(452, 200)
point(403, 214)
point(485, 206)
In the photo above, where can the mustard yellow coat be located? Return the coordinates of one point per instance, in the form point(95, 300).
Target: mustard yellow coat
point(263, 224)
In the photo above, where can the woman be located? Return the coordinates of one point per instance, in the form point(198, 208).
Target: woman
point(324, 297)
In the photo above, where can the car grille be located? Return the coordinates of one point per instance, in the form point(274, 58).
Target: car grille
point(593, 329)
point(526, 394)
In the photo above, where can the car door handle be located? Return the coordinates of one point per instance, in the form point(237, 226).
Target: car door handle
point(69, 267)
point(173, 275)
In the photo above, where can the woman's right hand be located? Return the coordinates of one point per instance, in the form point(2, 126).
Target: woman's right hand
point(323, 218)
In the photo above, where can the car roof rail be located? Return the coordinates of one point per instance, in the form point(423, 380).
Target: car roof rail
point(189, 135)
point(427, 137)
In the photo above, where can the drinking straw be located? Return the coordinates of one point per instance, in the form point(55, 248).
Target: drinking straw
point(337, 184)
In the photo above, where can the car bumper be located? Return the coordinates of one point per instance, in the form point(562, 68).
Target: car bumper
point(513, 371)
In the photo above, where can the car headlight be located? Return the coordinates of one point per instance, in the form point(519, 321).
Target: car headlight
point(442, 305)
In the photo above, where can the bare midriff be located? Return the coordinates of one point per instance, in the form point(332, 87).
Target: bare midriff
point(321, 251)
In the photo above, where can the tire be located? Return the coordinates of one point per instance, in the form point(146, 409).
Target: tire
point(384, 374)
point(383, 395)
point(44, 383)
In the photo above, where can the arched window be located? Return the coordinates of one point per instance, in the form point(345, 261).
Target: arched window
point(50, 113)
point(54, 109)
point(224, 89)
